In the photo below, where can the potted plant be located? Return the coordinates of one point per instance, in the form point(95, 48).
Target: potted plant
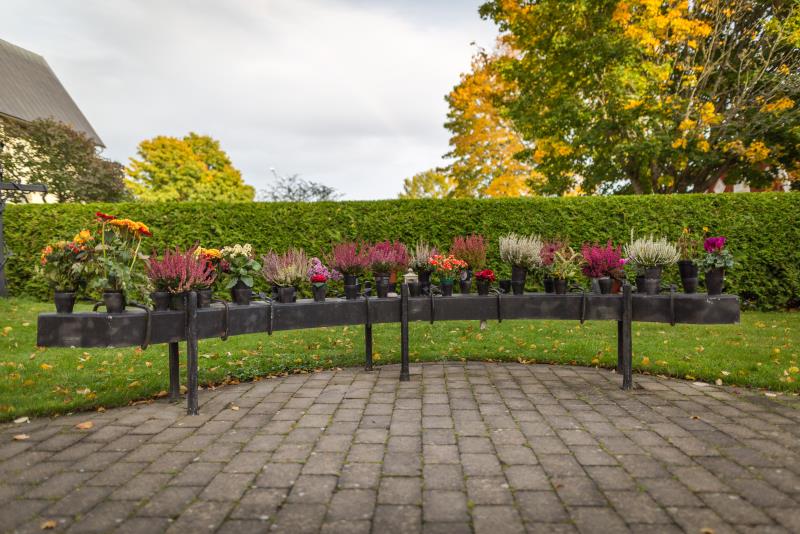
point(212, 257)
point(447, 267)
point(649, 256)
point(483, 280)
point(116, 262)
point(286, 271)
point(418, 261)
point(522, 253)
point(63, 265)
point(240, 269)
point(352, 260)
point(318, 274)
point(177, 273)
point(472, 250)
point(601, 264)
point(546, 256)
point(716, 261)
point(566, 266)
point(385, 259)
point(689, 249)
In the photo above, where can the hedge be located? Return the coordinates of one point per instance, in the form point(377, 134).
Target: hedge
point(763, 228)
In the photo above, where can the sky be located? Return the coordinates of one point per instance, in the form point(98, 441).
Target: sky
point(349, 93)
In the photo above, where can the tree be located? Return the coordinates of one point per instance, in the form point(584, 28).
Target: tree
point(66, 161)
point(653, 95)
point(193, 168)
point(295, 189)
point(434, 183)
point(484, 142)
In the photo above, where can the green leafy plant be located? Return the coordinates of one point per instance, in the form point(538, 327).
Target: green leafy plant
point(63, 264)
point(717, 255)
point(117, 263)
point(238, 265)
point(566, 264)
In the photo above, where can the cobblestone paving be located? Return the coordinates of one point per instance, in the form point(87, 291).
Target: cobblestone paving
point(499, 448)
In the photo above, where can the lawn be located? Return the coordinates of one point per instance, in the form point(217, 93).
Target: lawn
point(761, 352)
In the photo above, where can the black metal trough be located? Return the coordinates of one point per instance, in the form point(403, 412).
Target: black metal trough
point(131, 328)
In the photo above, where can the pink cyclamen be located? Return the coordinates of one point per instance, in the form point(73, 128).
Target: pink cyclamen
point(714, 244)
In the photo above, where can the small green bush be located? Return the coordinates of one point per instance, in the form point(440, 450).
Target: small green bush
point(762, 228)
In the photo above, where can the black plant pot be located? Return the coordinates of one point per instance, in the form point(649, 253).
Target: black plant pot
point(287, 294)
point(350, 280)
point(548, 285)
point(204, 297)
point(505, 286)
point(518, 287)
point(350, 291)
point(518, 274)
point(483, 286)
point(465, 286)
point(65, 301)
point(653, 273)
point(446, 287)
point(424, 282)
point(114, 301)
point(689, 279)
point(413, 289)
point(605, 283)
point(382, 285)
point(560, 286)
point(241, 293)
point(177, 301)
point(652, 286)
point(319, 291)
point(160, 300)
point(715, 280)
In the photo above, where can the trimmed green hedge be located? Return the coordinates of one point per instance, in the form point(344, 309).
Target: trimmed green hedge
point(763, 228)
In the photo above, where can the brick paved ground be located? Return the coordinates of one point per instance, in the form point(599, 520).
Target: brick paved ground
point(462, 447)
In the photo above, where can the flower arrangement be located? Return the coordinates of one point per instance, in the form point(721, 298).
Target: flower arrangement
point(318, 273)
point(602, 261)
point(485, 274)
point(349, 258)
point(178, 272)
point(688, 246)
point(566, 264)
point(649, 252)
point(521, 251)
point(287, 269)
point(63, 263)
point(420, 255)
point(239, 265)
point(471, 249)
point(117, 258)
point(387, 257)
point(446, 266)
point(717, 256)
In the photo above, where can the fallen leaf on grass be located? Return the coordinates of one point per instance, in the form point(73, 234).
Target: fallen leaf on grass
point(46, 366)
point(234, 408)
point(20, 420)
point(86, 425)
point(161, 394)
point(48, 525)
point(21, 437)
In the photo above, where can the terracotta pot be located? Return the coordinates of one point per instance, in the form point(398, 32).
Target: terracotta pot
point(65, 301)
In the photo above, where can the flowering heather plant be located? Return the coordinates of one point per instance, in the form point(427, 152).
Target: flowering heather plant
point(602, 261)
point(486, 274)
point(239, 265)
point(319, 274)
point(471, 249)
point(717, 255)
point(287, 269)
point(388, 256)
point(521, 251)
point(178, 271)
point(548, 252)
point(646, 252)
point(420, 255)
point(349, 258)
point(446, 266)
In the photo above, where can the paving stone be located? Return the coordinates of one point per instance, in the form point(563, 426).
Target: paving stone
point(443, 476)
point(104, 517)
point(400, 490)
point(489, 490)
point(312, 489)
point(352, 504)
point(497, 520)
point(397, 519)
point(170, 501)
point(443, 505)
point(360, 475)
point(202, 515)
point(227, 487)
point(540, 507)
point(590, 519)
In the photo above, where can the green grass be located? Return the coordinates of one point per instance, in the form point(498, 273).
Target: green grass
point(760, 352)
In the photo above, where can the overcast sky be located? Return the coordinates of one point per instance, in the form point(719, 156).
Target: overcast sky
point(345, 92)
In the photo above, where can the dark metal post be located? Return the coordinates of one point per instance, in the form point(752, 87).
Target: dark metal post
point(368, 346)
point(404, 372)
point(619, 339)
point(625, 337)
point(174, 371)
point(191, 353)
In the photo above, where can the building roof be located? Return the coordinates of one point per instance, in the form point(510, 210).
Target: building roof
point(29, 90)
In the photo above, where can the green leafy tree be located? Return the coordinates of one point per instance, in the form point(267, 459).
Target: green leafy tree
point(49, 152)
point(653, 95)
point(193, 168)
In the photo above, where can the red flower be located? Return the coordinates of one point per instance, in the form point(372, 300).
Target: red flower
point(486, 274)
point(318, 279)
point(104, 216)
point(145, 232)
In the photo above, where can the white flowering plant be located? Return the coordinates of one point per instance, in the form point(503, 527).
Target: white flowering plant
point(239, 265)
point(648, 252)
point(521, 250)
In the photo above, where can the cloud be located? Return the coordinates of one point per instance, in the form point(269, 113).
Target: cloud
point(347, 93)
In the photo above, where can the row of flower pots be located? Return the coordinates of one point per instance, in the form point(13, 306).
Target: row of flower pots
point(108, 261)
